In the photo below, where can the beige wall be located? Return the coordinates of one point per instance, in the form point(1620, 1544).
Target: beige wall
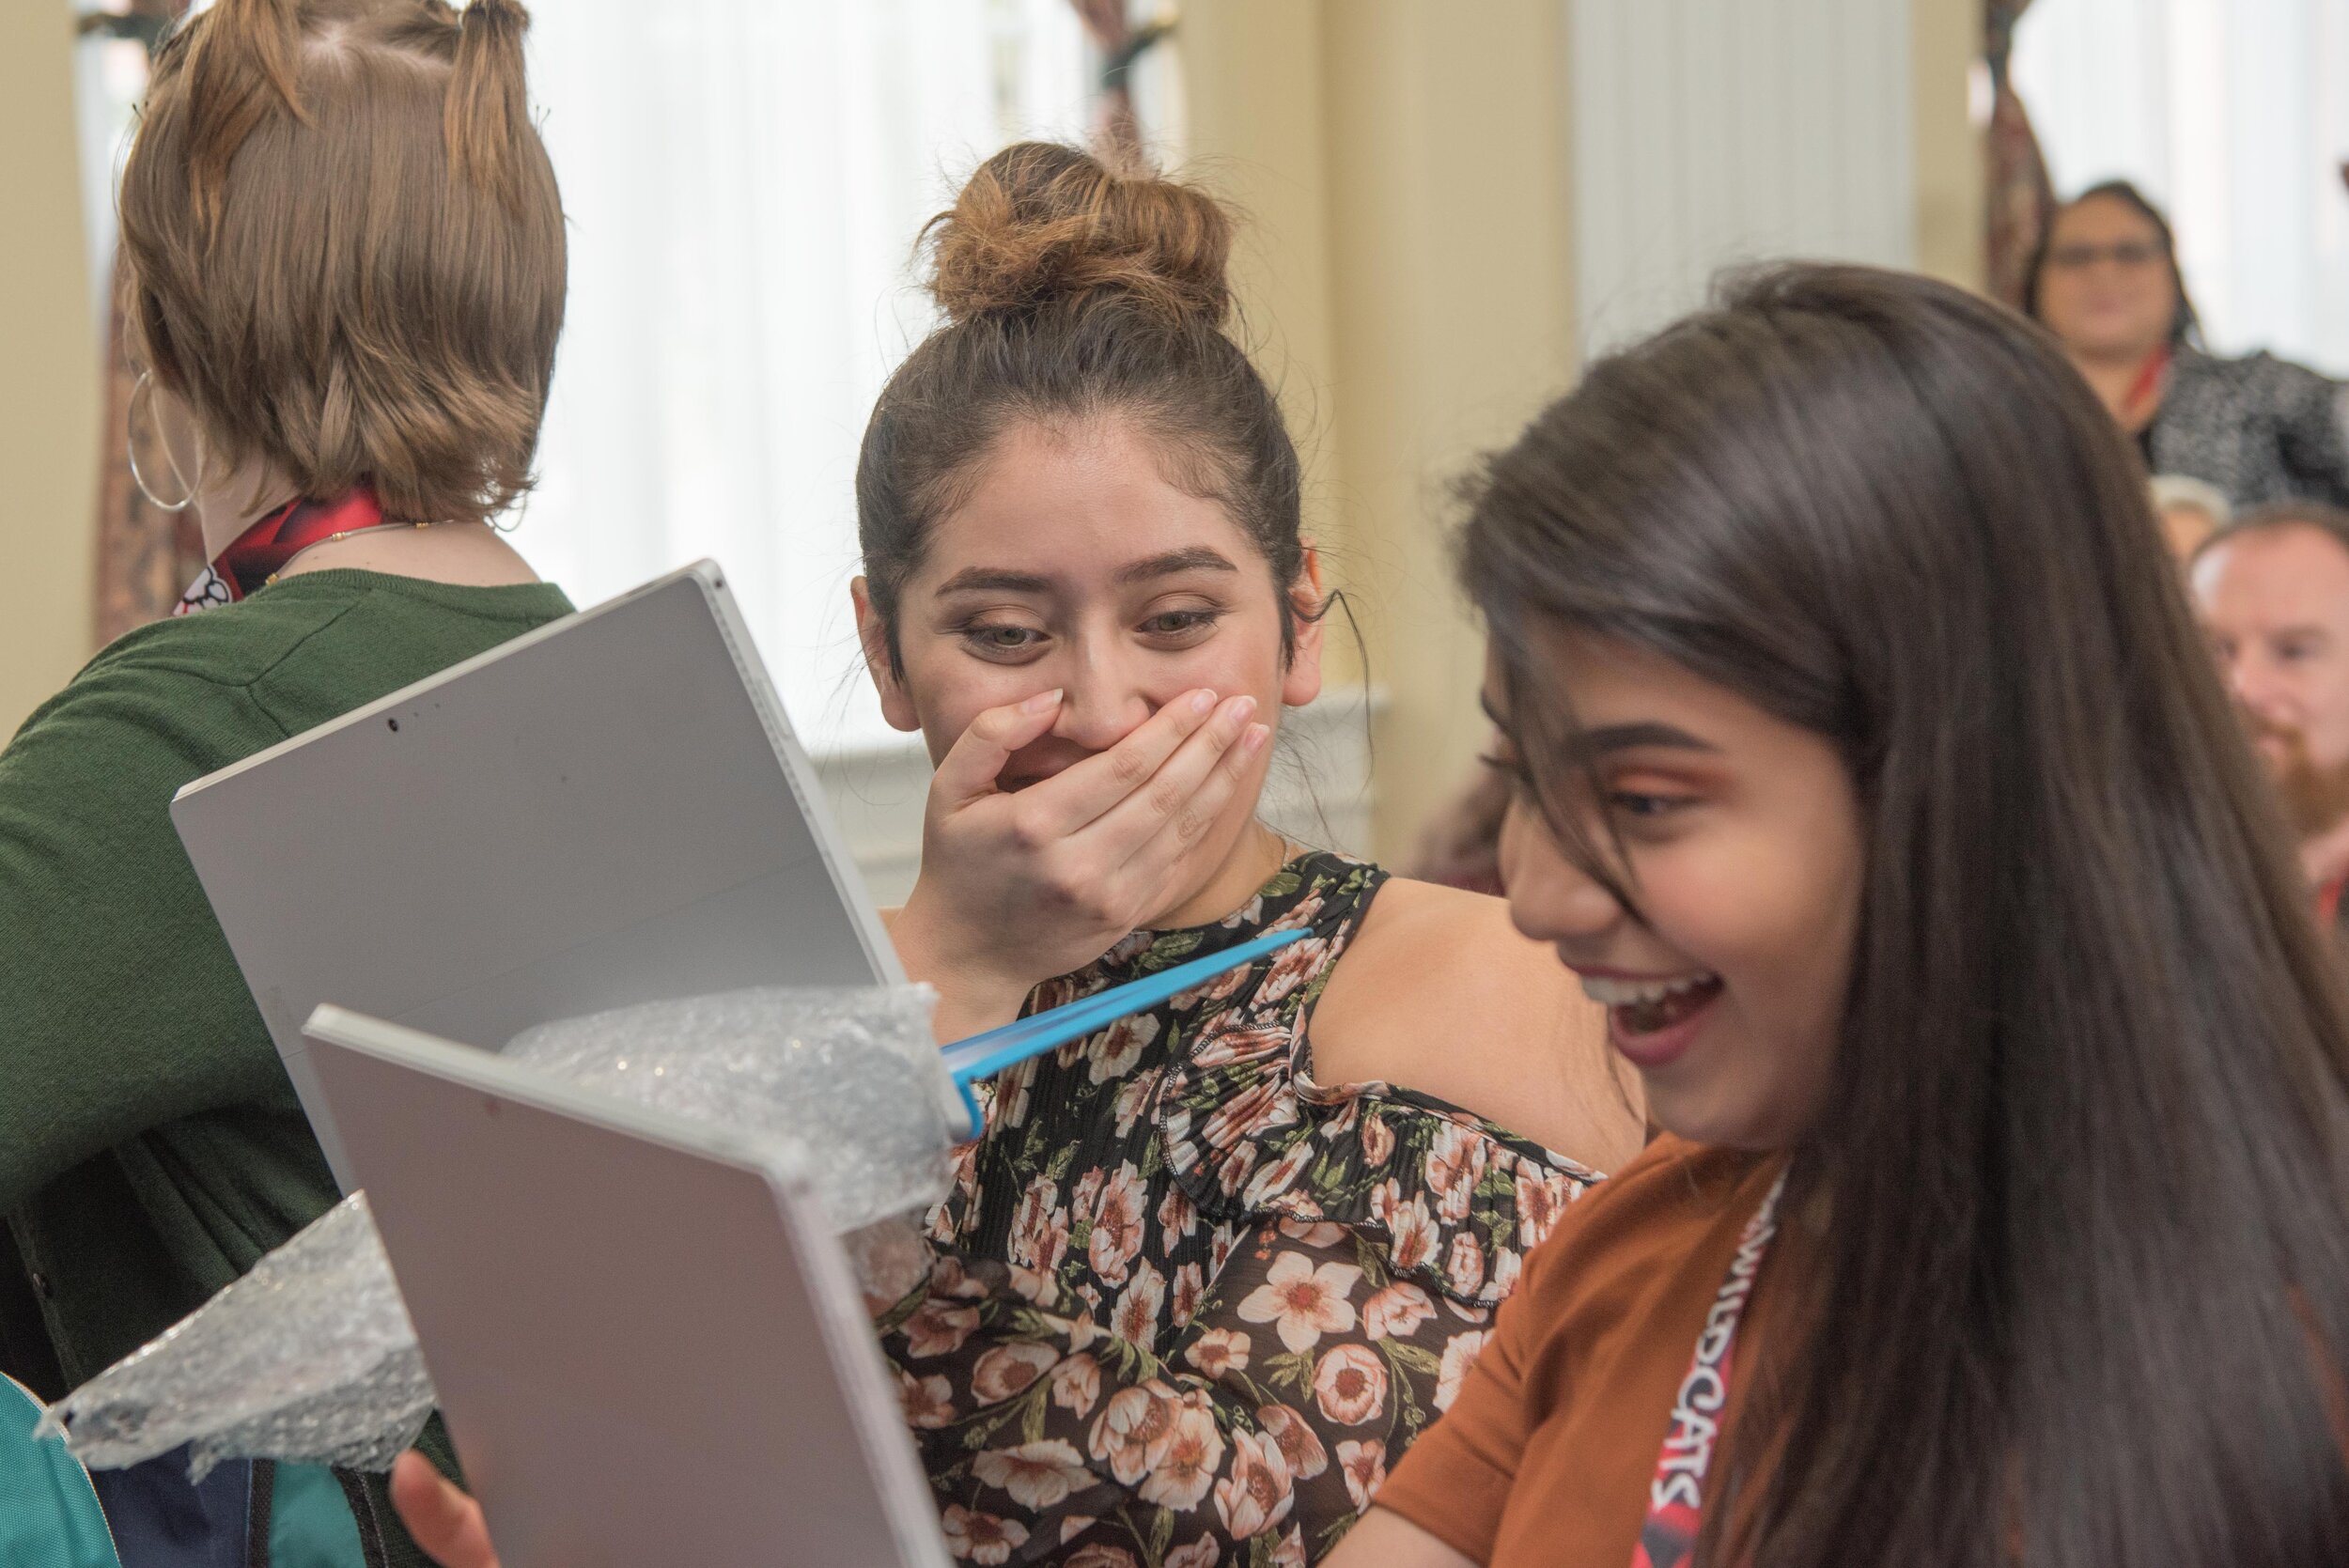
point(1429, 271)
point(1405, 168)
point(1453, 312)
point(49, 365)
point(1945, 41)
point(1254, 111)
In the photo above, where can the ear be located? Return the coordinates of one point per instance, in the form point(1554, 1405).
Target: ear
point(872, 635)
point(1301, 683)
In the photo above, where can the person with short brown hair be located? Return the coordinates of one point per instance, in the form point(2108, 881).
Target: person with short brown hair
point(347, 273)
point(347, 251)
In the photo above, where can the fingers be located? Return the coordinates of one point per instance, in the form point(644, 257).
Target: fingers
point(1189, 795)
point(444, 1521)
point(1092, 789)
point(978, 754)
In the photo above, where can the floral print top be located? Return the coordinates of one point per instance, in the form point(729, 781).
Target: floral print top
point(1188, 1305)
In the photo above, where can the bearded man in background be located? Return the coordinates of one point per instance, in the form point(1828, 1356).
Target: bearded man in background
point(2272, 592)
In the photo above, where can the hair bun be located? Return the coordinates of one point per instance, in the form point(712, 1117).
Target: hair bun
point(1040, 223)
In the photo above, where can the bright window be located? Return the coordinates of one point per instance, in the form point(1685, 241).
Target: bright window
point(2234, 115)
point(744, 181)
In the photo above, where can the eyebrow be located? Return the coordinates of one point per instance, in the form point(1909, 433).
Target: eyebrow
point(1592, 744)
point(1623, 737)
point(1198, 558)
point(993, 580)
point(988, 580)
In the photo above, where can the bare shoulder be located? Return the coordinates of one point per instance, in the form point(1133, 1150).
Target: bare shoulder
point(1438, 956)
point(1438, 992)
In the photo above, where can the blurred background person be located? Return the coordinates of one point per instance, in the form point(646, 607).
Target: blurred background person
point(2190, 511)
point(2272, 592)
point(1459, 845)
point(2106, 280)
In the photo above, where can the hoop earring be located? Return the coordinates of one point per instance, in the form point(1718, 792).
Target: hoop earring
point(131, 450)
point(502, 525)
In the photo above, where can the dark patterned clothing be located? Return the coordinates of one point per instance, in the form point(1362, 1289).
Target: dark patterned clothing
point(1190, 1304)
point(2260, 428)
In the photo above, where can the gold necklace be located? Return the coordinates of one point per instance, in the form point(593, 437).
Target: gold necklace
point(345, 534)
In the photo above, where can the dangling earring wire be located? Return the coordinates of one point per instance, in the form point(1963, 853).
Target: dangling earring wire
point(500, 525)
point(130, 420)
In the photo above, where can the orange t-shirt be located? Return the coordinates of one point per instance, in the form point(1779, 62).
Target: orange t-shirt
point(1546, 1455)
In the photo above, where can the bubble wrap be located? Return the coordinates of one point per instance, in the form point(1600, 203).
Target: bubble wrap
point(849, 1081)
point(310, 1357)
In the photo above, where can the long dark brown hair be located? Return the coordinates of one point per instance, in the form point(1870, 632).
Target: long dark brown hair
point(2084, 1290)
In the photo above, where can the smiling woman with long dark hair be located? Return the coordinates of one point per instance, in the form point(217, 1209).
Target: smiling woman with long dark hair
point(1872, 770)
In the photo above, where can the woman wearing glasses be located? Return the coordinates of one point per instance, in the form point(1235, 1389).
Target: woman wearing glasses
point(2105, 282)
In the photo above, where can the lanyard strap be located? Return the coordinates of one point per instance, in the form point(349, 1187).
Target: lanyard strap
point(1675, 1498)
point(254, 558)
point(2138, 408)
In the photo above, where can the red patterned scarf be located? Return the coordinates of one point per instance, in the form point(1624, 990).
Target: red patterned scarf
point(256, 556)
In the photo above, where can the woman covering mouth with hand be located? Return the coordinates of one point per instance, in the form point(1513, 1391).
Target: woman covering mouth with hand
point(1204, 1276)
point(1870, 767)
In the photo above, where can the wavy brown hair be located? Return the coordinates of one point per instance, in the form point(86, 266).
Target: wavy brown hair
point(2084, 1292)
point(346, 247)
point(1072, 293)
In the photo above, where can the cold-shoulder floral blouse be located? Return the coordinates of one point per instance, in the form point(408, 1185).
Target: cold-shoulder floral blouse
point(1188, 1305)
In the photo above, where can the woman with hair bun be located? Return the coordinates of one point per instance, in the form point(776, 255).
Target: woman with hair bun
point(1205, 1275)
point(346, 260)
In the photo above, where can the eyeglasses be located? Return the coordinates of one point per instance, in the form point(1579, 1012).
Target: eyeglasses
point(2131, 254)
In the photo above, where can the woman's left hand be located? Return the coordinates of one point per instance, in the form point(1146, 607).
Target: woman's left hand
point(440, 1517)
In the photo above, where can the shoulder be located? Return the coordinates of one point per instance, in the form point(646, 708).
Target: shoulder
point(1404, 901)
point(1261, 1115)
point(340, 613)
point(1438, 992)
point(176, 677)
point(1673, 1212)
point(94, 886)
point(190, 693)
point(174, 673)
point(231, 644)
point(1410, 914)
point(313, 646)
point(1426, 955)
point(2292, 389)
point(2260, 378)
point(153, 704)
point(1677, 1184)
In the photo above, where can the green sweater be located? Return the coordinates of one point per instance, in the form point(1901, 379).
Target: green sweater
point(151, 1148)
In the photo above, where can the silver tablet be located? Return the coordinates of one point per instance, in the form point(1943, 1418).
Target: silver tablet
point(609, 810)
point(646, 1339)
